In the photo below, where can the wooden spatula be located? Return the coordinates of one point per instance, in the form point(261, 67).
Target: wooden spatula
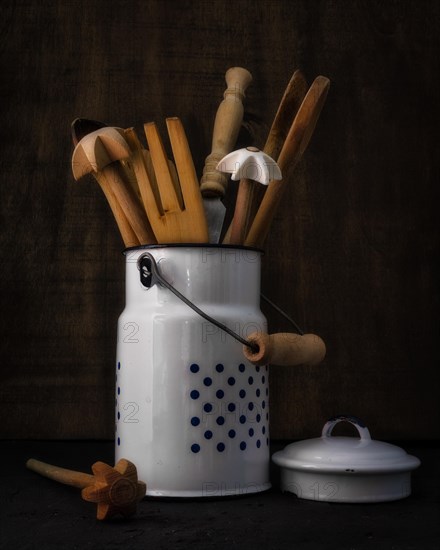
point(294, 146)
point(174, 207)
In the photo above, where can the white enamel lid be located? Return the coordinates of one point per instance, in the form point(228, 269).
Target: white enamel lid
point(345, 454)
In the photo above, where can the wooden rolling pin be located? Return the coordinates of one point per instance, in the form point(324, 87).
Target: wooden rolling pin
point(285, 349)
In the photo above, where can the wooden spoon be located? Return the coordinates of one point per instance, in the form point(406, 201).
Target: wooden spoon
point(294, 146)
point(290, 103)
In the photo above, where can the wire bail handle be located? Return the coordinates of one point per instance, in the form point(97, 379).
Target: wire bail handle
point(150, 275)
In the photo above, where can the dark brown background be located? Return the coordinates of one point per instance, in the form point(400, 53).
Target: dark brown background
point(351, 252)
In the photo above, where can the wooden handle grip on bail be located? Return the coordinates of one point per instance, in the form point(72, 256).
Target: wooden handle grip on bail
point(226, 129)
point(285, 349)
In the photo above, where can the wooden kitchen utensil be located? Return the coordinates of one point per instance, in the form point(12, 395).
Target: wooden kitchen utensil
point(115, 490)
point(293, 148)
point(98, 152)
point(226, 128)
point(290, 102)
point(285, 349)
point(249, 165)
point(175, 209)
point(80, 128)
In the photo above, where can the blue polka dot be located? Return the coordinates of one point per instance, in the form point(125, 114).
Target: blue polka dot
point(251, 406)
point(264, 430)
point(250, 380)
point(263, 404)
point(194, 368)
point(195, 420)
point(220, 394)
point(207, 381)
point(257, 369)
point(267, 441)
point(195, 448)
point(232, 434)
point(241, 367)
point(208, 434)
point(258, 443)
point(267, 416)
point(258, 418)
point(231, 380)
point(194, 394)
point(220, 447)
point(119, 441)
point(258, 392)
point(220, 420)
point(251, 432)
point(243, 445)
point(219, 368)
point(231, 407)
point(119, 366)
point(207, 407)
point(242, 419)
point(119, 415)
point(242, 394)
point(119, 391)
point(263, 379)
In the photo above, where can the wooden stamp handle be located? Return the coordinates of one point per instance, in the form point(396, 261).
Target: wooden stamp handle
point(62, 475)
point(285, 349)
point(226, 128)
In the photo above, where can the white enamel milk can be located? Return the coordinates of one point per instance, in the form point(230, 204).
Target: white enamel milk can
point(191, 412)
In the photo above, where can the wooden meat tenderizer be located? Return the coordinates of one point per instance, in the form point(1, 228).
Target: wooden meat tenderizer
point(284, 349)
point(115, 490)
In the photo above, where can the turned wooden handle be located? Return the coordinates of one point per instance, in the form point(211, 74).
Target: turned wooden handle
point(226, 128)
point(62, 475)
point(285, 348)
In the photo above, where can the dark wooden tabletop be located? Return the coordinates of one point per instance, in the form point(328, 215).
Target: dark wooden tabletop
point(40, 513)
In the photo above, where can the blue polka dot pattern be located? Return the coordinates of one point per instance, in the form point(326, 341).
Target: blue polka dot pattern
point(219, 410)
